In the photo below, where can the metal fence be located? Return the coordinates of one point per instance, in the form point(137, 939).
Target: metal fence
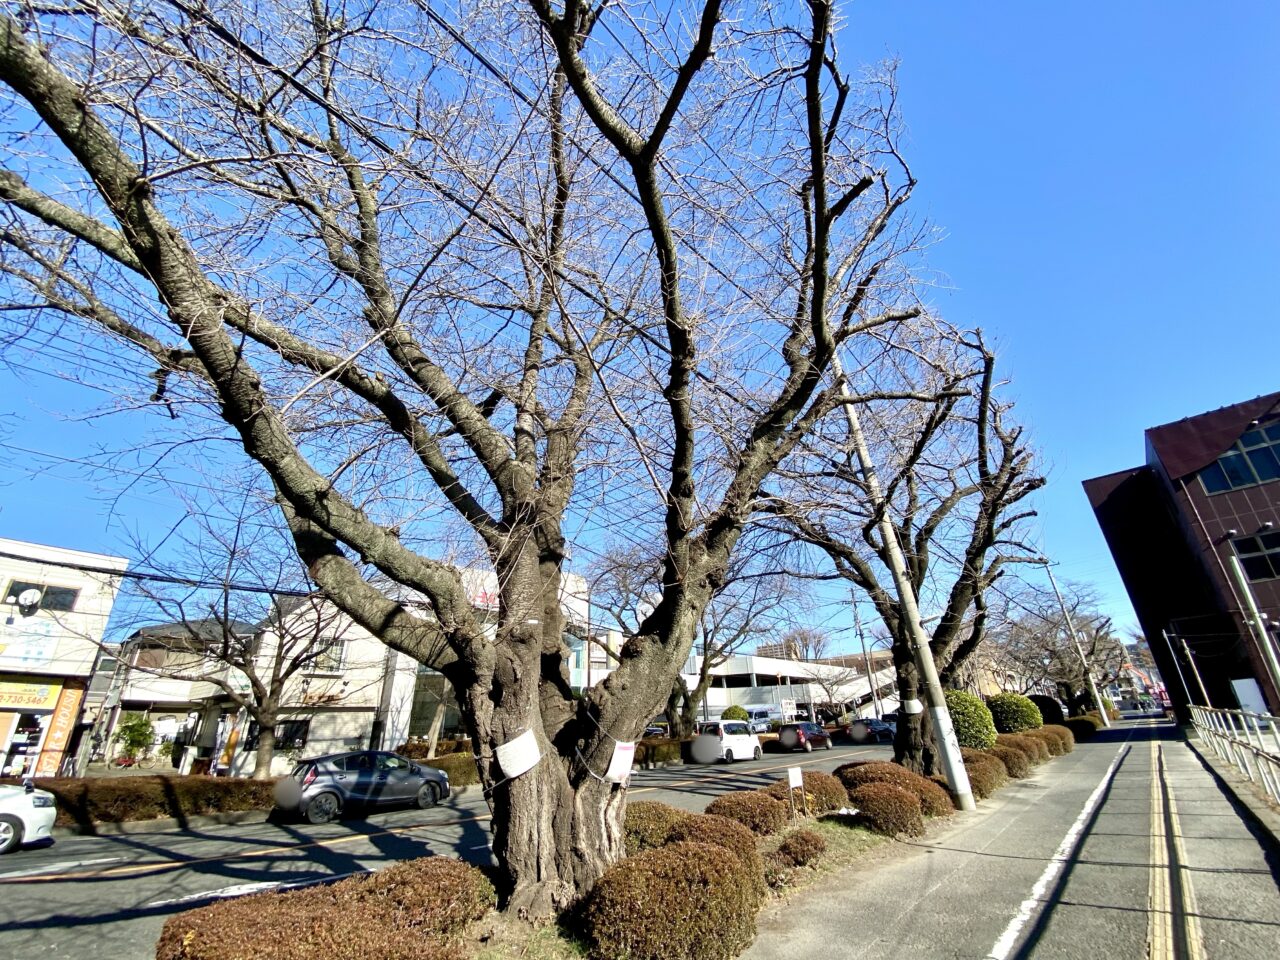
point(1250, 742)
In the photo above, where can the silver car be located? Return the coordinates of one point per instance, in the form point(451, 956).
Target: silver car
point(322, 787)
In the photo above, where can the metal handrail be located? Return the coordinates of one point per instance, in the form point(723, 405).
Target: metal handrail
point(1249, 741)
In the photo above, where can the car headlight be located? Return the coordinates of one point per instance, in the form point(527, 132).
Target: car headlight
point(39, 801)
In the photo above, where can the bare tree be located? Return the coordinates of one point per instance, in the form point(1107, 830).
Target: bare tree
point(954, 471)
point(454, 293)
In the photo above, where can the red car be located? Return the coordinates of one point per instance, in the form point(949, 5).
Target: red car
point(803, 736)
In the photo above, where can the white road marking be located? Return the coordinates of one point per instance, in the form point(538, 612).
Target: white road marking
point(240, 889)
point(1004, 945)
point(54, 867)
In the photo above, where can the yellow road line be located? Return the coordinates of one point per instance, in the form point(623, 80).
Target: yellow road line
point(1159, 905)
point(1190, 910)
point(156, 865)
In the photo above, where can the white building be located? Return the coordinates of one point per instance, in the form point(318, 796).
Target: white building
point(56, 603)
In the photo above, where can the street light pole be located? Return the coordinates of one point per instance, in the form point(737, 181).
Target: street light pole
point(866, 660)
point(1075, 638)
point(948, 745)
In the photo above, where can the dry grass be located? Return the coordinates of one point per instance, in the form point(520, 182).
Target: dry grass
point(509, 938)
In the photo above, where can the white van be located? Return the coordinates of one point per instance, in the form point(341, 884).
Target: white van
point(726, 740)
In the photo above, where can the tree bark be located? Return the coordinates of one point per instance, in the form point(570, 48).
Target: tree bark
point(266, 749)
point(913, 745)
point(437, 721)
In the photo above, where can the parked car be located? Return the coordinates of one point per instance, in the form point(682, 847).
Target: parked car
point(26, 814)
point(871, 730)
point(761, 719)
point(322, 787)
point(803, 736)
point(726, 740)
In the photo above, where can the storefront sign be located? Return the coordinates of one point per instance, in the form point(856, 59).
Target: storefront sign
point(28, 697)
point(61, 724)
point(28, 643)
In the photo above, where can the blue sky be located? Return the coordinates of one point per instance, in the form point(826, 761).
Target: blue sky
point(1106, 177)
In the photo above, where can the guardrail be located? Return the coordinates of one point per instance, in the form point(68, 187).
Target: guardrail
point(1250, 742)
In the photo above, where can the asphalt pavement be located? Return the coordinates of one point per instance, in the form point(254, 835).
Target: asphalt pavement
point(109, 896)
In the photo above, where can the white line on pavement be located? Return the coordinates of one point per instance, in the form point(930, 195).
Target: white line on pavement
point(1010, 936)
point(54, 867)
point(240, 889)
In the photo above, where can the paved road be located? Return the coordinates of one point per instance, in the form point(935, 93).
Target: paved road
point(109, 896)
point(1125, 849)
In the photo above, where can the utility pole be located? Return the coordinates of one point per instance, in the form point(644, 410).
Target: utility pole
point(866, 659)
point(1075, 638)
point(1195, 671)
point(948, 746)
point(1182, 678)
point(1257, 625)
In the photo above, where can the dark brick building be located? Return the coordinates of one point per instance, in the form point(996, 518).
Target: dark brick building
point(1208, 497)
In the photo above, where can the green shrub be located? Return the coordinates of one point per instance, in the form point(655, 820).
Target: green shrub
point(802, 847)
point(971, 719)
point(1063, 734)
point(461, 768)
point(754, 809)
point(647, 825)
point(986, 773)
point(1015, 761)
point(888, 809)
point(411, 911)
point(734, 712)
point(1050, 708)
point(84, 802)
point(1035, 748)
point(1083, 728)
point(823, 792)
point(934, 800)
point(1014, 713)
point(685, 901)
point(134, 733)
point(721, 832)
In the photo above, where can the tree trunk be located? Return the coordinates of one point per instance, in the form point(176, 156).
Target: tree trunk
point(437, 721)
point(266, 749)
point(913, 745)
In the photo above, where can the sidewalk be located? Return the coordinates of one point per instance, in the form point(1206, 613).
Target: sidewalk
point(1162, 865)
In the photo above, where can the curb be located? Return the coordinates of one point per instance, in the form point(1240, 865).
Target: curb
point(1240, 790)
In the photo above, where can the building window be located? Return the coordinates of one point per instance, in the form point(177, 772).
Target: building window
point(290, 735)
point(328, 658)
point(1253, 459)
point(54, 599)
point(1260, 555)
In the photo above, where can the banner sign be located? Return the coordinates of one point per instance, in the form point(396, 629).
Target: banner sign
point(61, 724)
point(31, 697)
point(795, 778)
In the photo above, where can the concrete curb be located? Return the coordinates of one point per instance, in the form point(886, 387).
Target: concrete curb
point(198, 821)
point(1241, 790)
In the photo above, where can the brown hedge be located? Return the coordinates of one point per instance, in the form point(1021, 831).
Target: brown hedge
point(823, 792)
point(410, 911)
point(1036, 748)
point(658, 750)
point(417, 749)
point(647, 824)
point(84, 802)
point(1063, 734)
point(721, 832)
point(987, 773)
point(1084, 728)
point(461, 768)
point(802, 847)
point(888, 809)
point(1051, 740)
point(685, 901)
point(1016, 763)
point(754, 809)
point(935, 801)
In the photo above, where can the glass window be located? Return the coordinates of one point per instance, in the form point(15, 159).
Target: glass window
point(55, 599)
point(389, 761)
point(1259, 556)
point(328, 658)
point(1265, 463)
point(1253, 459)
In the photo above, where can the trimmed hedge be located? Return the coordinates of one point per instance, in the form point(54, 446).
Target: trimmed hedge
point(461, 768)
point(802, 847)
point(1050, 708)
point(971, 719)
point(888, 809)
point(823, 792)
point(83, 802)
point(1064, 734)
point(417, 749)
point(987, 773)
point(1035, 748)
point(722, 832)
point(734, 712)
point(1083, 728)
point(686, 901)
point(1014, 713)
point(658, 750)
point(754, 809)
point(1016, 763)
point(935, 801)
point(648, 824)
point(1051, 740)
point(410, 911)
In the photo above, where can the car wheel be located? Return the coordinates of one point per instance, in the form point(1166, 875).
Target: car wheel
point(829, 743)
point(428, 796)
point(728, 756)
point(808, 746)
point(758, 754)
point(323, 808)
point(10, 833)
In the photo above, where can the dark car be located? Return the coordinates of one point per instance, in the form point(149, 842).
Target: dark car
point(322, 787)
point(803, 736)
point(871, 730)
